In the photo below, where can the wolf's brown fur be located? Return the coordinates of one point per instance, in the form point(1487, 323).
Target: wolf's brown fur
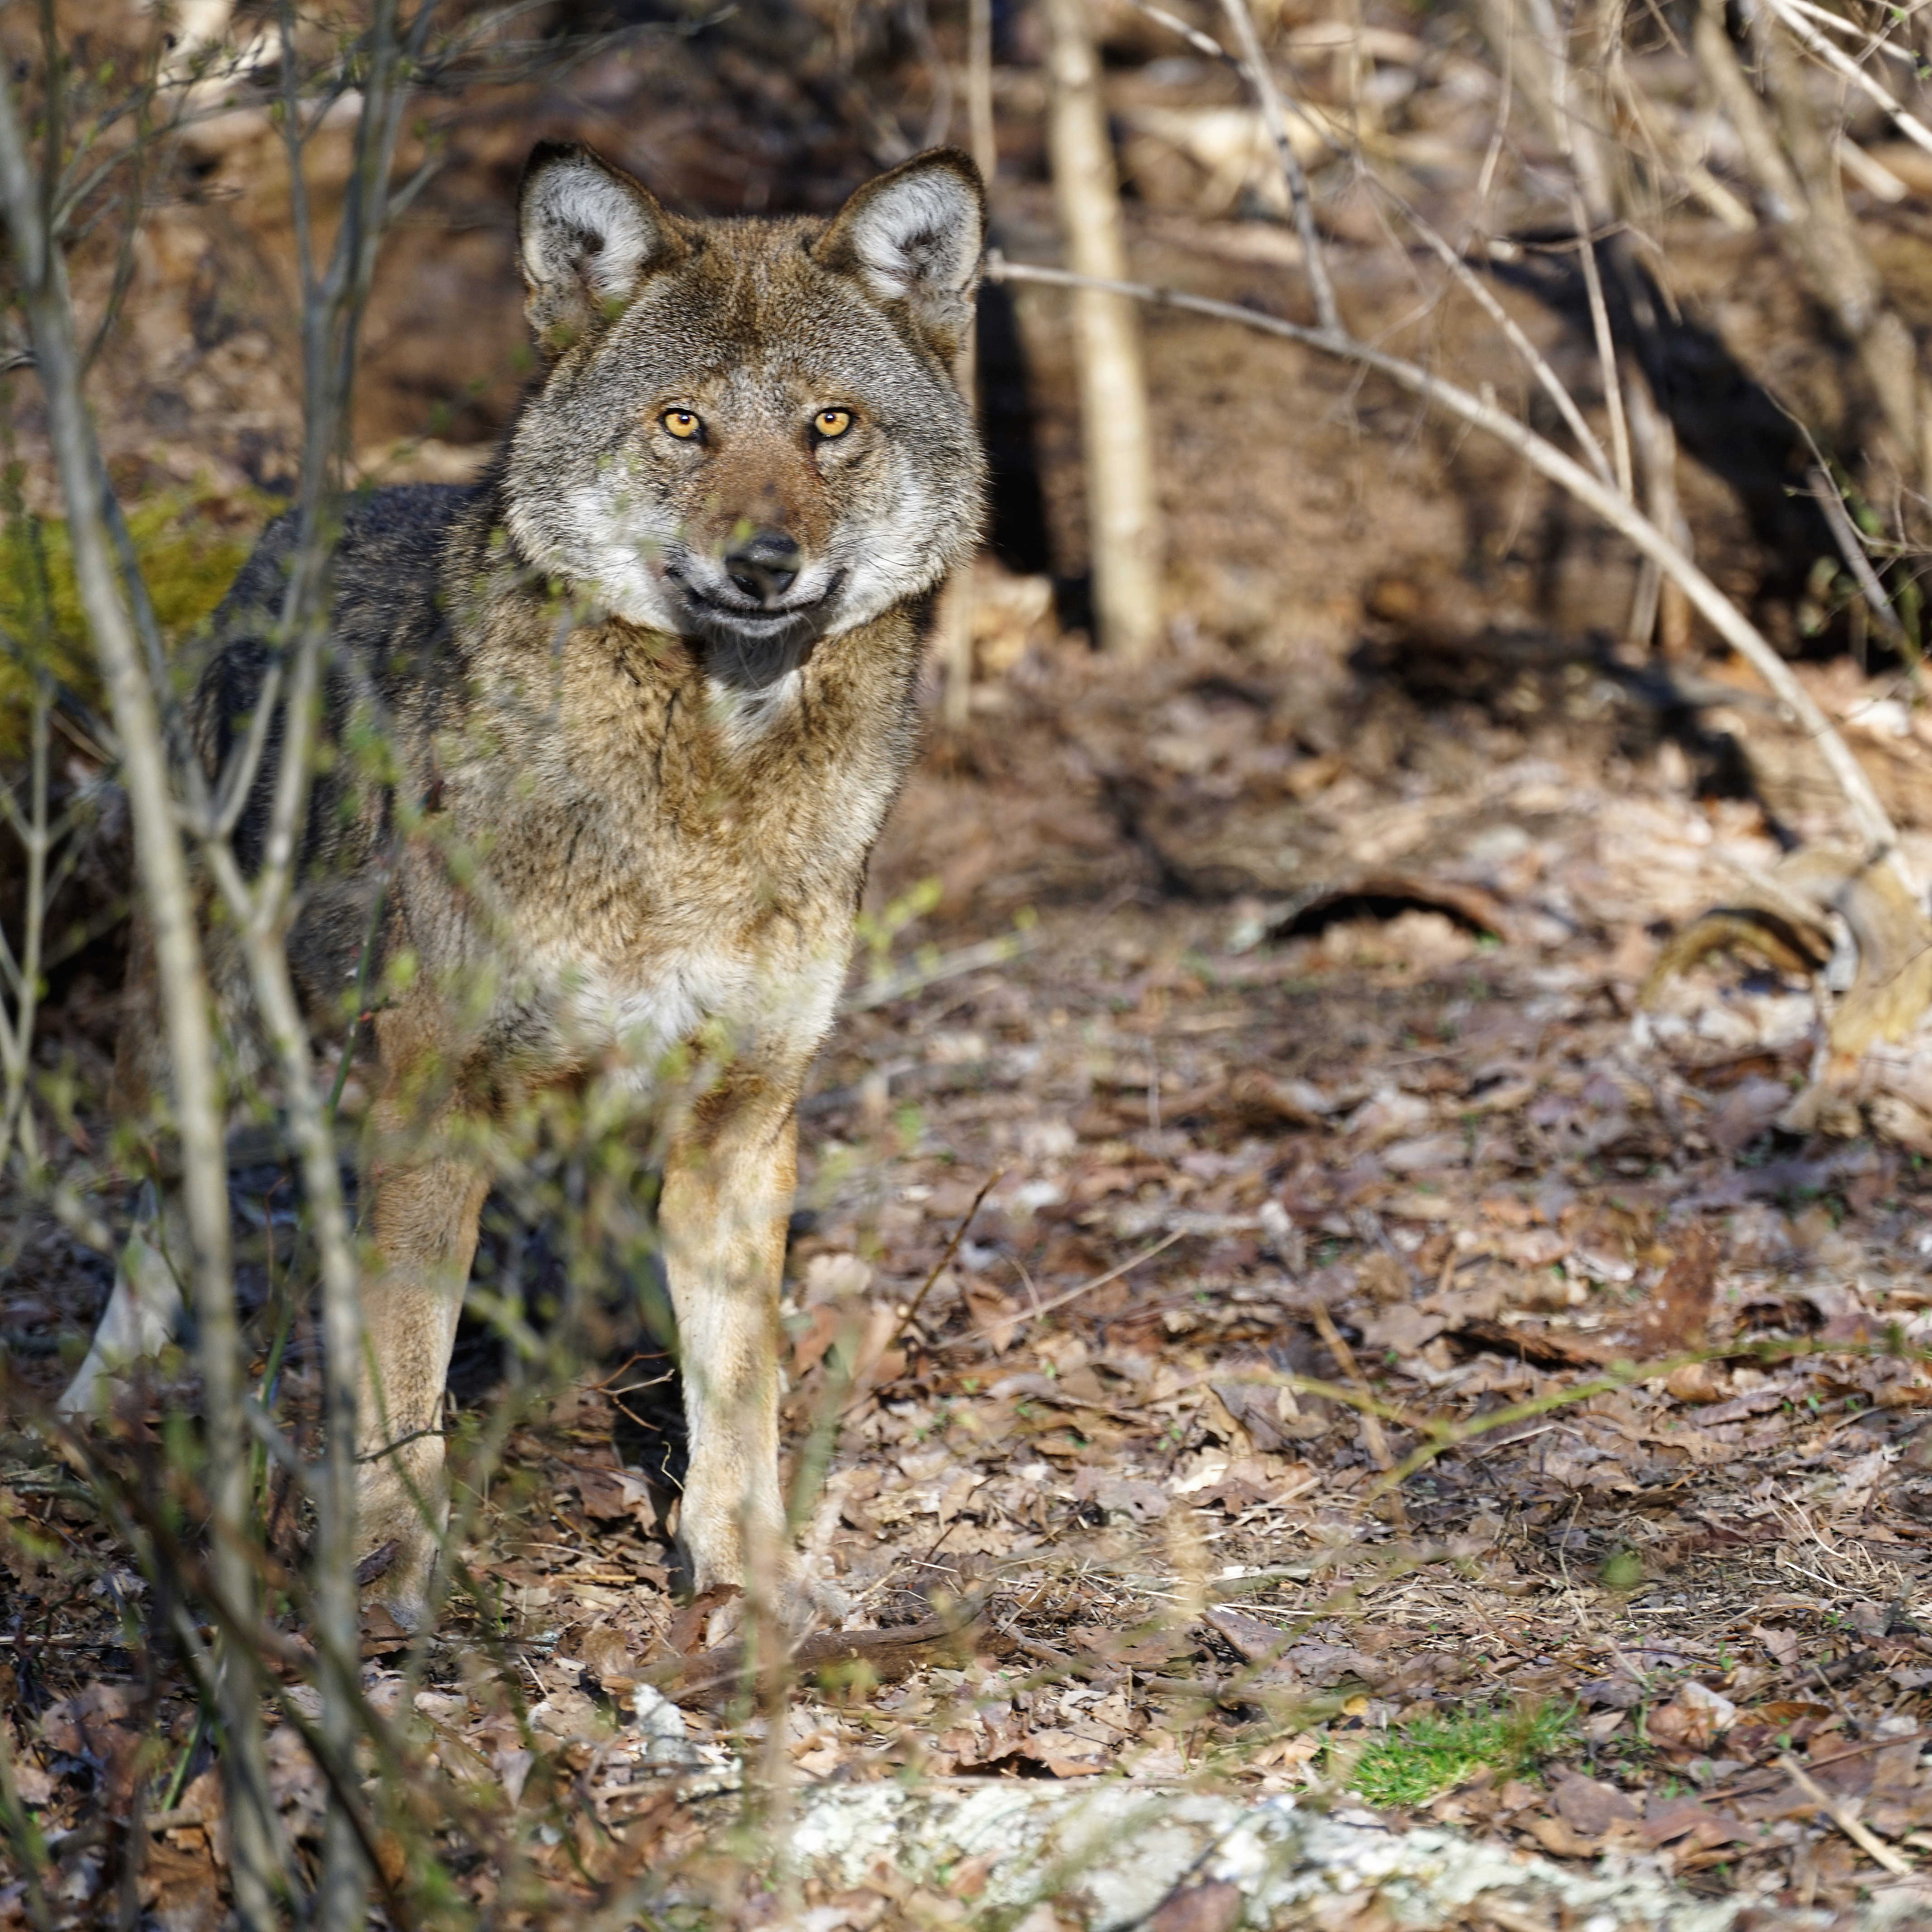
point(649, 692)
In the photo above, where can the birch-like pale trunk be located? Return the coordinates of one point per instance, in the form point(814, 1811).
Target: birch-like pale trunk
point(955, 610)
point(1124, 535)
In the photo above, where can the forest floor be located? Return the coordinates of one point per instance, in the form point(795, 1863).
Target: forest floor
point(1317, 1059)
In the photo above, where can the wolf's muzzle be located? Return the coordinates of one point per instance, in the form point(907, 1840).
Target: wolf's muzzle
point(764, 565)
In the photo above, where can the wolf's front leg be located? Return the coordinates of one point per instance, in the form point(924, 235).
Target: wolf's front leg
point(424, 1226)
point(727, 1194)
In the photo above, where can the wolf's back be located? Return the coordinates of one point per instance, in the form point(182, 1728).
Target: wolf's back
point(389, 664)
point(387, 565)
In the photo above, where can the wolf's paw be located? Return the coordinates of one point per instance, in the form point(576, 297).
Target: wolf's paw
point(800, 1605)
point(396, 1573)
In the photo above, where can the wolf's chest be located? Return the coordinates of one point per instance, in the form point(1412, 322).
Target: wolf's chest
point(630, 1016)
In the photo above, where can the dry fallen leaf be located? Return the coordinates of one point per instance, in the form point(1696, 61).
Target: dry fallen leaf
point(1214, 1907)
point(1693, 1720)
point(1677, 1311)
point(1589, 1807)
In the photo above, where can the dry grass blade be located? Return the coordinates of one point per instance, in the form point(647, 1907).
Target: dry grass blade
point(1841, 63)
point(1847, 1820)
point(1060, 1300)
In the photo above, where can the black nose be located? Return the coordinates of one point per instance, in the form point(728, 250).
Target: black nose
point(763, 565)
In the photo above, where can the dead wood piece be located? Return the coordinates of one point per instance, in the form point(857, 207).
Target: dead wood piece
point(714, 1678)
point(1385, 895)
point(1676, 1311)
point(1215, 1907)
point(1536, 1346)
point(1672, 1317)
point(1257, 1642)
point(1263, 1098)
point(1847, 1820)
point(1892, 988)
point(1787, 917)
point(1789, 948)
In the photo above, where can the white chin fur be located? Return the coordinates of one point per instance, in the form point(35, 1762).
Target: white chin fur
point(898, 560)
point(743, 716)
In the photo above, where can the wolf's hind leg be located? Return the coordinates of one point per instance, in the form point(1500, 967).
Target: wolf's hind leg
point(142, 1312)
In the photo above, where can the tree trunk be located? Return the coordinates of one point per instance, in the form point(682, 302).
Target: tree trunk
point(1122, 531)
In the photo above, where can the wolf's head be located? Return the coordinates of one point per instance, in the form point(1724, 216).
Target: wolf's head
point(749, 433)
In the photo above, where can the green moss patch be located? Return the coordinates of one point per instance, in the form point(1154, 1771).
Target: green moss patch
point(1414, 1762)
point(190, 547)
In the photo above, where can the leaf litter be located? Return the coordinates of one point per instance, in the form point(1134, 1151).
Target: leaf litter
point(1284, 1189)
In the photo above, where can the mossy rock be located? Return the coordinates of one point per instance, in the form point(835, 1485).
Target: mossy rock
point(189, 546)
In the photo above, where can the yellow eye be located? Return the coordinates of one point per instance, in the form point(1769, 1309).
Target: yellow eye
point(681, 424)
point(829, 423)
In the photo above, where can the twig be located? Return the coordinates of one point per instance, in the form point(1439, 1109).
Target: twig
point(1262, 80)
point(163, 868)
point(36, 838)
point(947, 966)
point(1847, 1820)
point(1471, 283)
point(1908, 124)
point(940, 1267)
point(1606, 347)
point(1552, 384)
point(1202, 44)
point(1845, 535)
point(1869, 816)
point(1073, 1293)
point(1466, 278)
point(1876, 43)
point(1345, 1358)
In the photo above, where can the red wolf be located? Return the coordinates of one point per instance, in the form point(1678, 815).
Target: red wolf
point(643, 698)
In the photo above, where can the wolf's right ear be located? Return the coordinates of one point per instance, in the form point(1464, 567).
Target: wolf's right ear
point(587, 235)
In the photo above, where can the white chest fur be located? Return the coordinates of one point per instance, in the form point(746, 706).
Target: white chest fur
point(631, 1018)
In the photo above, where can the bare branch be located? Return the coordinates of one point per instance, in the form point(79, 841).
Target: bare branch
point(1870, 43)
point(1466, 278)
point(163, 871)
point(1851, 548)
point(1262, 78)
point(1606, 347)
point(1874, 827)
point(1842, 63)
point(1552, 385)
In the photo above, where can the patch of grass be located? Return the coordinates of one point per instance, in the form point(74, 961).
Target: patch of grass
point(1417, 1762)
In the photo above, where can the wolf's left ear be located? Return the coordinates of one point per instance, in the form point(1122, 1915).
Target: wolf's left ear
point(915, 236)
point(587, 235)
